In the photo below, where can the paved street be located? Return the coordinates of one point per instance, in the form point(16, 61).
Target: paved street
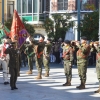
point(50, 88)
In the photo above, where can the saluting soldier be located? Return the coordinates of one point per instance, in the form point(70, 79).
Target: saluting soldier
point(29, 51)
point(46, 56)
point(67, 58)
point(97, 47)
point(39, 56)
point(13, 64)
point(82, 60)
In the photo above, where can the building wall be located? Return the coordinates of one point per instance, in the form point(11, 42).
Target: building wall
point(72, 4)
point(5, 9)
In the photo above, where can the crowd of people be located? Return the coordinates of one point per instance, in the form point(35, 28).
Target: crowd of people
point(43, 53)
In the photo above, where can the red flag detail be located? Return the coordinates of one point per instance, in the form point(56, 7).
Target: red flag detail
point(16, 28)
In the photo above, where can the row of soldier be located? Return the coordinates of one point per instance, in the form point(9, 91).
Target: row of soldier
point(82, 50)
point(41, 51)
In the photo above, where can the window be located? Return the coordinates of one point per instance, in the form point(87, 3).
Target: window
point(19, 6)
point(62, 4)
point(35, 2)
point(29, 6)
point(10, 9)
point(90, 2)
point(83, 4)
point(24, 6)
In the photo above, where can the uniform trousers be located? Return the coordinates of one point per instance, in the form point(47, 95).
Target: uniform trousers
point(5, 69)
point(13, 76)
point(82, 69)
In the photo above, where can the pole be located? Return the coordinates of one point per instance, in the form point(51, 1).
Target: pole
point(78, 17)
point(99, 22)
point(2, 11)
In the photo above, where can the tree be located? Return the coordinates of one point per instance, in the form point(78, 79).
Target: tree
point(57, 27)
point(90, 26)
point(28, 27)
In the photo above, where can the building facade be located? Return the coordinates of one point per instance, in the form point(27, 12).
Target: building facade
point(70, 6)
point(9, 6)
point(32, 10)
point(35, 11)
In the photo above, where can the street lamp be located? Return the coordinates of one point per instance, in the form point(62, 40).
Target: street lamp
point(78, 17)
point(2, 11)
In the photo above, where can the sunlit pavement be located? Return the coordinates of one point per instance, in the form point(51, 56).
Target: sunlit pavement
point(50, 88)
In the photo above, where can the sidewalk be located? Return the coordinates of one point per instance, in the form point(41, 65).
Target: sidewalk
point(50, 88)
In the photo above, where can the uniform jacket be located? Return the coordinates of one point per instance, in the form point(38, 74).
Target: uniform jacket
point(67, 53)
point(83, 51)
point(47, 49)
point(39, 49)
point(29, 50)
point(14, 57)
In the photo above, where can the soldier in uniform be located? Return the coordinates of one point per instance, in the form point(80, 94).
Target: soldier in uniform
point(4, 60)
point(29, 51)
point(67, 58)
point(13, 64)
point(46, 57)
point(82, 60)
point(97, 47)
point(39, 56)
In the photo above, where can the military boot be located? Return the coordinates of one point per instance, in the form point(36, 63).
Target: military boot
point(39, 76)
point(97, 91)
point(29, 72)
point(68, 83)
point(46, 74)
point(82, 86)
point(79, 85)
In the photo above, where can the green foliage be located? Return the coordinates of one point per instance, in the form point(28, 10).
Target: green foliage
point(57, 27)
point(8, 24)
point(90, 26)
point(28, 27)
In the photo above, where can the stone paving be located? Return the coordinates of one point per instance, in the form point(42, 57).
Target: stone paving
point(50, 88)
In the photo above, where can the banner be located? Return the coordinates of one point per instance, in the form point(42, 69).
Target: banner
point(18, 32)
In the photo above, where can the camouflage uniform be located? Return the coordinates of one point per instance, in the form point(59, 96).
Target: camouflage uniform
point(39, 57)
point(46, 58)
point(98, 67)
point(30, 53)
point(67, 58)
point(82, 61)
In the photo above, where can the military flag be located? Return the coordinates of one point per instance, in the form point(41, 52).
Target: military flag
point(18, 32)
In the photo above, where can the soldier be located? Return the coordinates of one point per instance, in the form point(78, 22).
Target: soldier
point(13, 64)
point(67, 58)
point(29, 51)
point(82, 60)
point(39, 56)
point(46, 57)
point(97, 47)
point(4, 60)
